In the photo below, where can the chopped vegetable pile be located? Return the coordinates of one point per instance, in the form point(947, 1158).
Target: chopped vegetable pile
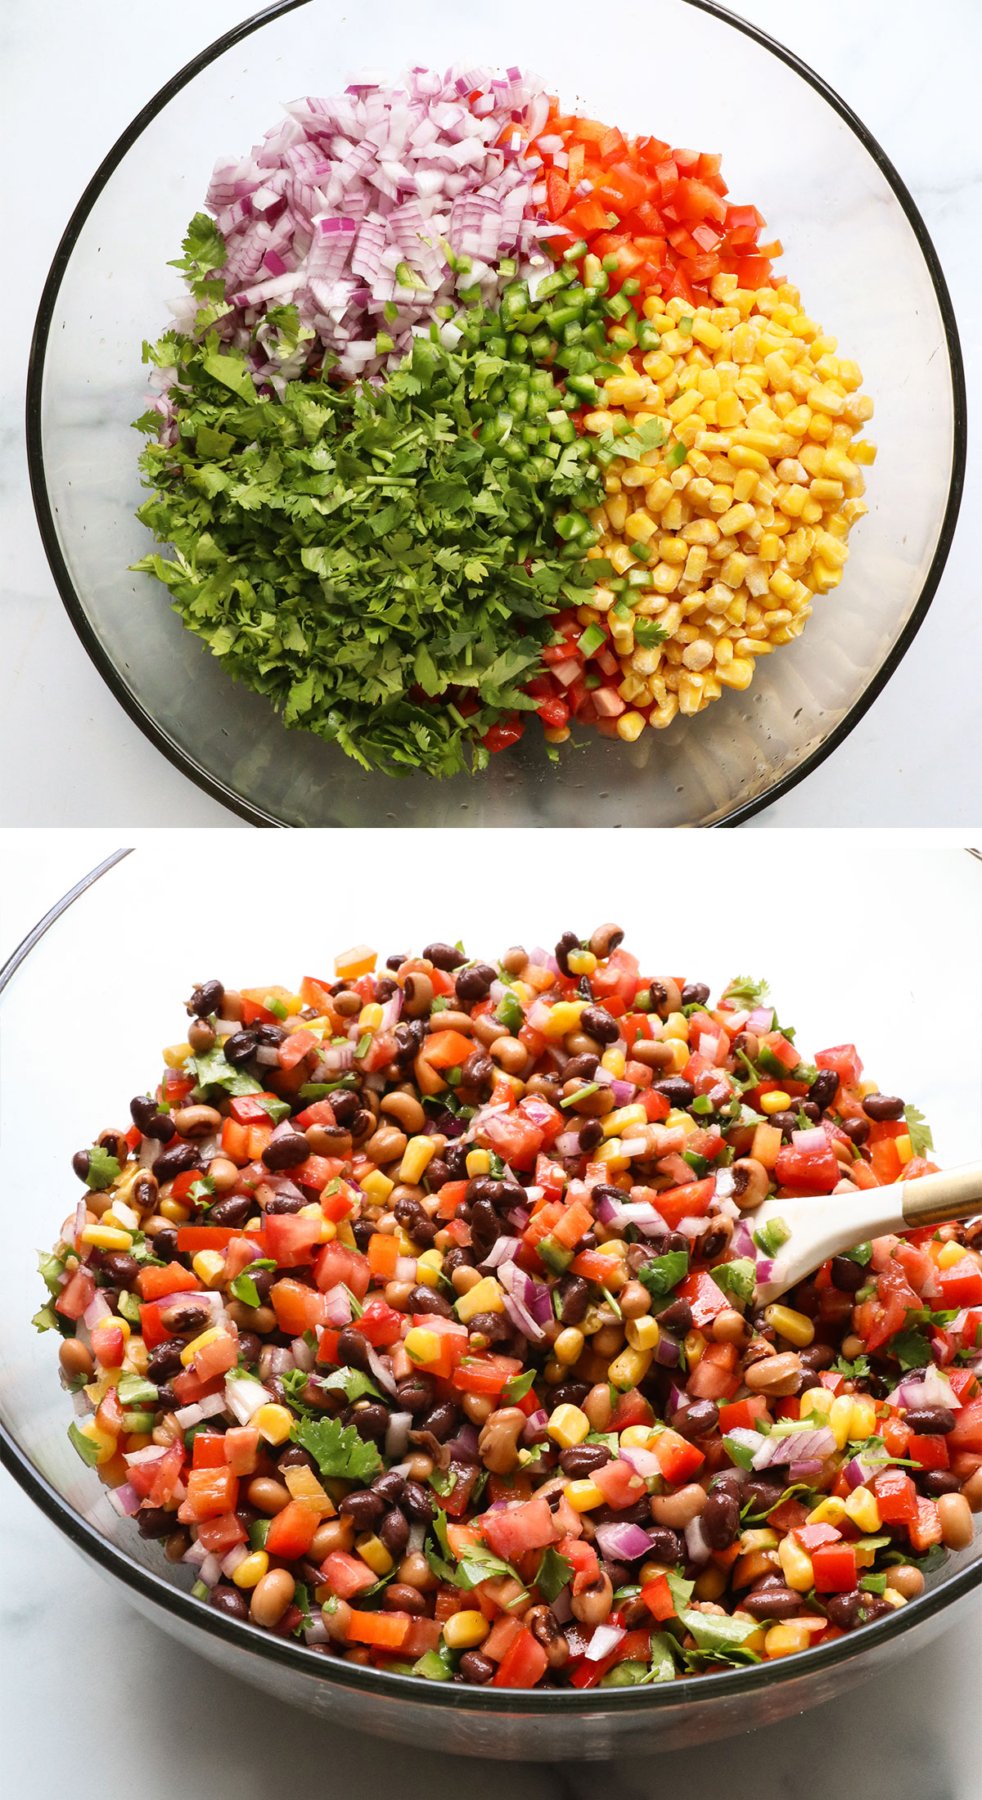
point(475, 409)
point(415, 1312)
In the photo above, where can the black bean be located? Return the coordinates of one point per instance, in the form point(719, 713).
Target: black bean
point(720, 1518)
point(485, 1226)
point(370, 1421)
point(286, 1152)
point(416, 1502)
point(234, 1210)
point(444, 956)
point(391, 1486)
point(812, 1112)
point(152, 1123)
point(229, 1600)
point(847, 1276)
point(155, 1521)
point(772, 1601)
point(207, 998)
point(364, 1507)
point(591, 1134)
point(476, 1669)
point(121, 1268)
point(344, 1105)
point(676, 1318)
point(457, 1257)
point(394, 1532)
point(240, 1047)
point(176, 1161)
point(666, 1545)
point(582, 1459)
point(697, 1418)
point(353, 1348)
point(437, 1172)
point(695, 993)
point(598, 1024)
point(472, 984)
point(733, 1480)
point(816, 1357)
point(570, 1393)
point(676, 1090)
point(285, 1203)
point(569, 941)
point(824, 1088)
point(166, 1400)
point(270, 1034)
point(455, 1157)
point(856, 1130)
point(845, 1609)
point(938, 1482)
point(883, 1106)
point(441, 1421)
point(573, 1297)
point(427, 1300)
point(294, 1456)
point(164, 1360)
point(934, 1420)
point(414, 1394)
point(495, 1327)
point(761, 1493)
point(80, 1164)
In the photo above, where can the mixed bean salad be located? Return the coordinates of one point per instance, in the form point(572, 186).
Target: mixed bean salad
point(415, 1311)
point(477, 408)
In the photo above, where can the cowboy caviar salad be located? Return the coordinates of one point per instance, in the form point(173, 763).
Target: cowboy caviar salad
point(475, 408)
point(415, 1313)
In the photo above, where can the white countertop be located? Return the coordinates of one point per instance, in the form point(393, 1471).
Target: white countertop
point(76, 75)
point(91, 1694)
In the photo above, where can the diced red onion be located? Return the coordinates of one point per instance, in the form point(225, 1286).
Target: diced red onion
point(148, 1454)
point(274, 1359)
point(405, 1268)
point(187, 1416)
point(568, 1144)
point(933, 1388)
point(535, 1425)
point(339, 1057)
point(210, 1571)
point(810, 1142)
point(125, 1500)
point(463, 1446)
point(391, 1011)
point(605, 1639)
point(98, 1308)
point(316, 1632)
point(303, 1354)
point(667, 1351)
point(236, 1555)
point(244, 1397)
point(381, 1369)
point(513, 1282)
point(761, 1019)
point(623, 1541)
point(791, 1447)
point(268, 1056)
point(337, 1307)
point(859, 1470)
point(502, 1250)
point(623, 1092)
point(741, 1243)
point(765, 1269)
point(194, 1555)
point(644, 1462)
point(397, 1435)
point(695, 1541)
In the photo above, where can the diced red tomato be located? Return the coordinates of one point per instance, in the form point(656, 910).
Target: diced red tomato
point(347, 1575)
point(209, 1492)
point(678, 1459)
point(173, 1279)
point(76, 1295)
point(961, 1284)
point(292, 1531)
point(298, 1308)
point(523, 1664)
point(704, 1297)
point(619, 1483)
point(337, 1263)
point(221, 1534)
point(514, 1529)
point(692, 1200)
point(485, 1374)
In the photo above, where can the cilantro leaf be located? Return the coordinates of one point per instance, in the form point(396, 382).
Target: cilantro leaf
point(518, 1386)
point(552, 1574)
point(244, 1288)
point(664, 1273)
point(920, 1131)
point(213, 1070)
point(337, 1450)
point(853, 1371)
point(746, 991)
point(103, 1169)
point(350, 1382)
point(738, 1277)
point(648, 633)
point(717, 1631)
point(911, 1349)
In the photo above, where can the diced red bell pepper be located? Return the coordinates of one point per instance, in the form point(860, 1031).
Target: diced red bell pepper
point(292, 1531)
point(834, 1568)
point(221, 1534)
point(208, 1450)
point(704, 1297)
point(523, 1664)
point(386, 1630)
point(298, 1308)
point(928, 1451)
point(677, 1458)
point(896, 1497)
point(485, 1374)
point(657, 1596)
point(209, 1492)
point(173, 1279)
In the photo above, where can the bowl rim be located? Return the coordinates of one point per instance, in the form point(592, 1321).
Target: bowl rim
point(184, 760)
point(291, 1654)
point(214, 784)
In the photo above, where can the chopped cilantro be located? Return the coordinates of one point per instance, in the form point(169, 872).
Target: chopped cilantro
point(552, 1574)
point(352, 1383)
point(664, 1273)
point(853, 1371)
point(244, 1288)
point(738, 1277)
point(746, 992)
point(919, 1131)
point(214, 1071)
point(337, 1450)
point(103, 1169)
point(518, 1387)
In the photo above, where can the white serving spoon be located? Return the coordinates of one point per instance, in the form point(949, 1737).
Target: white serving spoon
point(826, 1225)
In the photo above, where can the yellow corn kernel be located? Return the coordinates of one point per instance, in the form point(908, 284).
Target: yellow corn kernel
point(273, 1422)
point(568, 1347)
point(625, 390)
point(776, 1102)
point(624, 1116)
point(418, 1153)
point(694, 1343)
point(370, 1017)
point(630, 726)
point(107, 1237)
point(629, 1368)
point(792, 1325)
point(428, 1267)
point(209, 1266)
point(329, 1231)
point(176, 1055)
point(358, 961)
point(764, 1537)
point(643, 1333)
point(824, 399)
point(707, 333)
point(830, 1511)
point(737, 518)
point(372, 1551)
point(422, 1346)
point(377, 1186)
point(251, 1570)
point(904, 1148)
point(949, 1255)
point(738, 673)
point(104, 1441)
point(304, 1486)
point(561, 1019)
point(477, 1162)
point(191, 1348)
point(862, 1423)
point(568, 1426)
point(465, 1630)
point(786, 1640)
point(583, 1495)
point(816, 1400)
point(613, 1060)
point(840, 1419)
point(637, 1437)
point(797, 1565)
point(485, 1296)
point(581, 962)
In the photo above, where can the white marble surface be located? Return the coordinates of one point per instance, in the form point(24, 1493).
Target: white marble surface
point(75, 76)
point(89, 1690)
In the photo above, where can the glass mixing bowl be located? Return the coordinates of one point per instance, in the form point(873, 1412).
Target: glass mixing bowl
point(108, 964)
point(854, 243)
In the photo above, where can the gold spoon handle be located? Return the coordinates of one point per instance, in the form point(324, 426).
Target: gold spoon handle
point(950, 1194)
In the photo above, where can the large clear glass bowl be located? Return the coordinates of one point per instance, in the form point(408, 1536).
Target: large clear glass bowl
point(84, 1008)
point(854, 243)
